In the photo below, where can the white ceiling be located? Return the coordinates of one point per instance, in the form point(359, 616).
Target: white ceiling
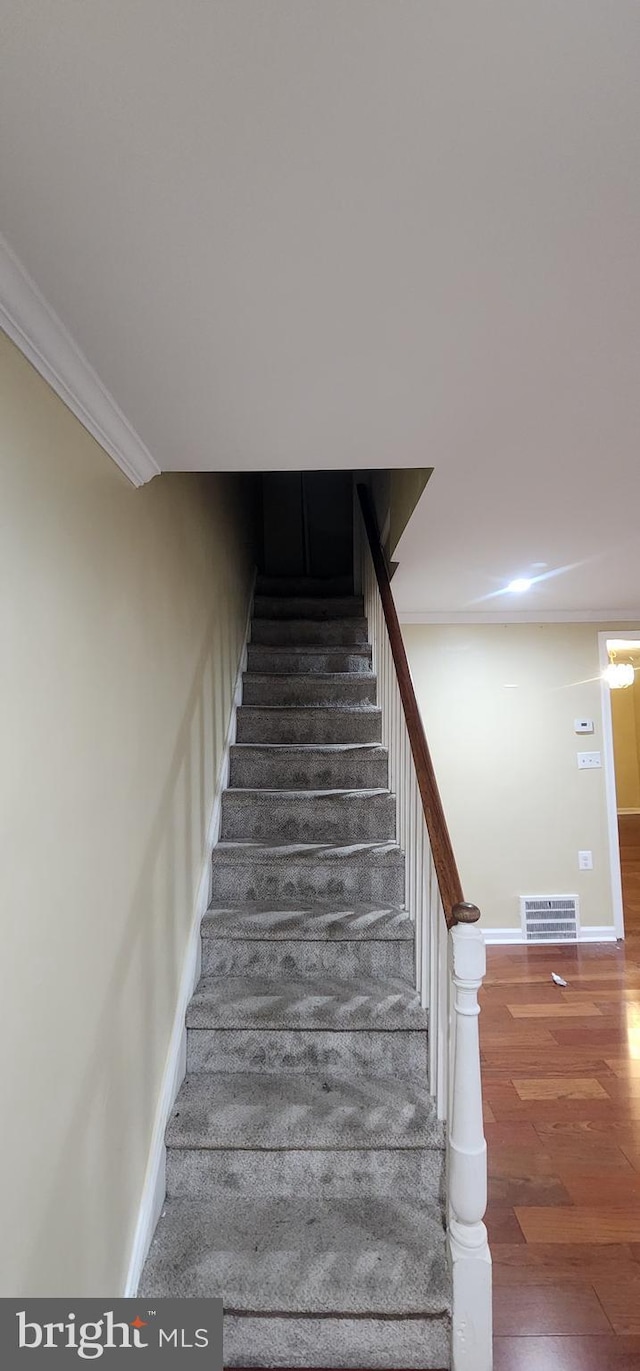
point(307, 233)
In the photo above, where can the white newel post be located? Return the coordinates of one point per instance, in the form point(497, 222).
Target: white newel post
point(468, 1247)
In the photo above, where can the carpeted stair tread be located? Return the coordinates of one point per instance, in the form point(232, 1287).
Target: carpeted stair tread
point(282, 852)
point(309, 923)
point(329, 688)
point(307, 871)
point(309, 723)
point(333, 794)
point(305, 1341)
point(301, 766)
point(300, 960)
point(304, 816)
point(308, 607)
point(302, 1256)
point(304, 1112)
point(326, 587)
point(374, 1052)
point(256, 1002)
point(298, 632)
point(294, 942)
point(309, 660)
point(331, 1172)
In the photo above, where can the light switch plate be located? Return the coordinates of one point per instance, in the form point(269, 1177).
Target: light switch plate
point(588, 760)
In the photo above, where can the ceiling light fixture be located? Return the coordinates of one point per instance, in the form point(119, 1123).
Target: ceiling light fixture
point(520, 584)
point(618, 675)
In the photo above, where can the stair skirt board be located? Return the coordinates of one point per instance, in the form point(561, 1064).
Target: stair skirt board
point(305, 1162)
point(154, 1185)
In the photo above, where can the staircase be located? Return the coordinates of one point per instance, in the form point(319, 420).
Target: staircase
point(304, 1158)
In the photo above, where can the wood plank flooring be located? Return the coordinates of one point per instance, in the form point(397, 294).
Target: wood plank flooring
point(629, 835)
point(561, 1079)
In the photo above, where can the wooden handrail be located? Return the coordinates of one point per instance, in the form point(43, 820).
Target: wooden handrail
point(456, 908)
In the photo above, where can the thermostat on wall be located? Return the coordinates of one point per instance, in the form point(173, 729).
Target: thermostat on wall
point(583, 725)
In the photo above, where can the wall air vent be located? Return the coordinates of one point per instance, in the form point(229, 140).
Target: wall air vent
point(549, 918)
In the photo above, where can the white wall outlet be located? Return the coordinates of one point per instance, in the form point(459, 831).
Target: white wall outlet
point(585, 861)
point(583, 726)
point(588, 760)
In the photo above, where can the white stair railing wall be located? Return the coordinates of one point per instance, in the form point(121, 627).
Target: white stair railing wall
point(450, 965)
point(422, 895)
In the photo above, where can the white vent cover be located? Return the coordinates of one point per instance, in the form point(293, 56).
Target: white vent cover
point(549, 918)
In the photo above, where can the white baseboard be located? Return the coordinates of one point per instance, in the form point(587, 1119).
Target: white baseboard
point(154, 1185)
point(596, 933)
point(501, 935)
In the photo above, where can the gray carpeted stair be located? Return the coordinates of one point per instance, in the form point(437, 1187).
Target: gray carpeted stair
point(308, 659)
point(302, 767)
point(308, 816)
point(308, 940)
point(307, 607)
point(303, 1276)
point(309, 724)
point(317, 632)
point(320, 587)
point(332, 688)
point(304, 1157)
point(298, 871)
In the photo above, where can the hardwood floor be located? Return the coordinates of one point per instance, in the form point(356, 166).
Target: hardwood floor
point(561, 1073)
point(629, 833)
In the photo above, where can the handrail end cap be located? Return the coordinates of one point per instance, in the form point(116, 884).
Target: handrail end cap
point(465, 913)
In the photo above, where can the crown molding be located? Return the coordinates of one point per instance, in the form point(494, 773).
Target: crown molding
point(608, 617)
point(35, 328)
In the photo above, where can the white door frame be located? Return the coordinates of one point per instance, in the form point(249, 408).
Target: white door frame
point(610, 776)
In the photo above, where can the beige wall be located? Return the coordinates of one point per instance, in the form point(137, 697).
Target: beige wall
point(625, 719)
point(518, 807)
point(122, 614)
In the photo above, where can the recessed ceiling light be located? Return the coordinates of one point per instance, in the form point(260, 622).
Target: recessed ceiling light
point(511, 685)
point(518, 586)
